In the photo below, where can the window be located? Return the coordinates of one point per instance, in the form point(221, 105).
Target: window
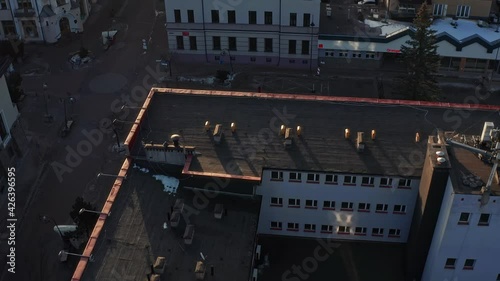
point(294, 203)
point(329, 205)
point(360, 231)
point(346, 206)
point(30, 29)
point(484, 219)
point(381, 208)
point(292, 226)
point(293, 19)
point(295, 176)
point(349, 180)
point(394, 232)
point(268, 45)
point(292, 46)
point(307, 20)
point(464, 218)
point(439, 10)
point(3, 4)
point(276, 225)
point(192, 43)
point(177, 16)
point(216, 42)
point(268, 17)
point(399, 209)
point(180, 42)
point(231, 16)
point(252, 17)
point(469, 264)
point(367, 181)
point(305, 47)
point(311, 204)
point(232, 47)
point(450, 263)
point(463, 11)
point(385, 182)
point(276, 201)
point(8, 27)
point(215, 16)
point(364, 207)
point(377, 232)
point(326, 228)
point(313, 177)
point(404, 183)
point(190, 16)
point(332, 179)
point(275, 175)
point(253, 59)
point(344, 230)
point(22, 5)
point(309, 227)
point(252, 44)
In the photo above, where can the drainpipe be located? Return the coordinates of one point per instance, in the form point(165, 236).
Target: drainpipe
point(204, 30)
point(279, 38)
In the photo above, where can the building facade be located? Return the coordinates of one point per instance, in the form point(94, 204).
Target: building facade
point(276, 33)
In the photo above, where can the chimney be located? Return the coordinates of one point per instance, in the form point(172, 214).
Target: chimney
point(373, 134)
point(299, 131)
point(288, 138)
point(282, 130)
point(207, 126)
point(360, 145)
point(417, 137)
point(347, 133)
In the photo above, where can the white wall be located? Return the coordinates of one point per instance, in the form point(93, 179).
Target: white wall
point(338, 193)
point(465, 241)
point(7, 109)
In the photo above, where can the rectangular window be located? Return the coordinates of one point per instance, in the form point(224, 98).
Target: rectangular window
point(252, 44)
point(346, 206)
point(404, 183)
point(312, 177)
point(305, 47)
point(231, 16)
point(377, 232)
point(232, 47)
point(399, 209)
point(326, 228)
point(276, 201)
point(293, 203)
point(364, 207)
point(311, 204)
point(292, 46)
point(293, 19)
point(367, 181)
point(177, 16)
point(192, 43)
point(307, 20)
point(190, 16)
point(385, 182)
point(180, 42)
point(464, 218)
point(276, 225)
point(439, 10)
point(215, 16)
point(3, 4)
point(349, 180)
point(268, 17)
point(484, 219)
point(252, 17)
point(268, 45)
point(295, 176)
point(8, 27)
point(292, 226)
point(344, 230)
point(394, 232)
point(450, 263)
point(309, 227)
point(275, 175)
point(381, 208)
point(469, 264)
point(463, 11)
point(328, 205)
point(360, 231)
point(331, 179)
point(216, 42)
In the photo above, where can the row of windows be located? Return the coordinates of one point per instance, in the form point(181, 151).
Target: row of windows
point(344, 206)
point(253, 59)
point(354, 55)
point(334, 179)
point(468, 264)
point(484, 219)
point(252, 17)
point(463, 11)
point(309, 227)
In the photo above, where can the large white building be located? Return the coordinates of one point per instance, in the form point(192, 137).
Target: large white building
point(276, 32)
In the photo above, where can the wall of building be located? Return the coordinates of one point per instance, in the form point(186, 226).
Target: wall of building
point(478, 8)
point(339, 193)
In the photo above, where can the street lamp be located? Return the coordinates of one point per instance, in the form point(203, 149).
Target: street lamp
point(109, 175)
point(223, 53)
point(48, 117)
point(83, 210)
point(312, 38)
point(47, 219)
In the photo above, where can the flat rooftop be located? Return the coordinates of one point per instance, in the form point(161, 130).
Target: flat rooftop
point(134, 236)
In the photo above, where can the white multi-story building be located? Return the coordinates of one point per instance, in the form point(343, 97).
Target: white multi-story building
point(278, 33)
point(42, 20)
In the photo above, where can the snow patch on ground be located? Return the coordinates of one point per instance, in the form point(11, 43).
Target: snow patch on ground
point(144, 170)
point(207, 80)
point(170, 184)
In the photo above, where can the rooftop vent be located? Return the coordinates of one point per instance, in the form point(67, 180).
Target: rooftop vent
point(282, 130)
point(441, 160)
point(439, 154)
point(218, 134)
point(481, 23)
point(360, 145)
point(288, 138)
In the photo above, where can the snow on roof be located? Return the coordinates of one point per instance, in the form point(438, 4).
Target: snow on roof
point(387, 28)
point(465, 29)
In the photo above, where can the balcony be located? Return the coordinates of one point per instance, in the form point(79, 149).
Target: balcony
point(24, 13)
